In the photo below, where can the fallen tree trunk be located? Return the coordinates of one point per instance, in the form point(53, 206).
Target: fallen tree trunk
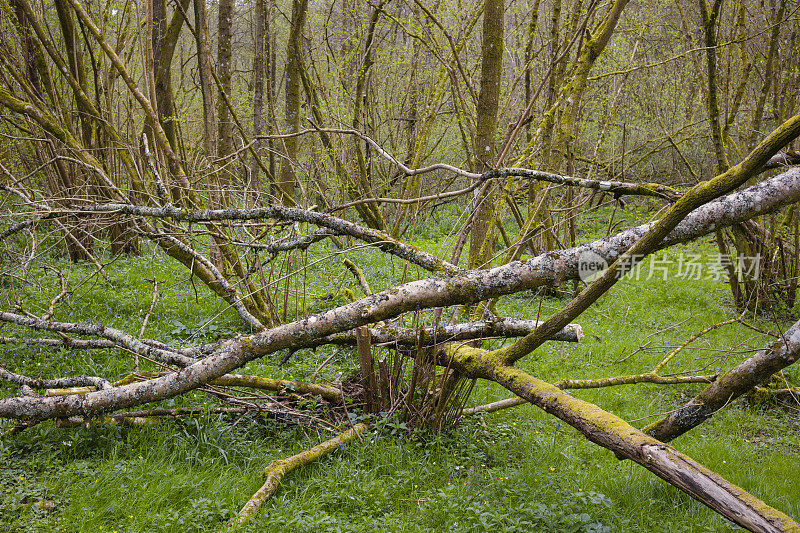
point(750, 373)
point(680, 470)
point(634, 379)
point(613, 433)
point(498, 327)
point(115, 338)
point(470, 287)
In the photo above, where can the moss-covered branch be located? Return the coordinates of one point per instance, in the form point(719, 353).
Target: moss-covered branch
point(331, 394)
point(750, 373)
point(613, 433)
point(696, 197)
point(276, 470)
point(466, 288)
point(648, 377)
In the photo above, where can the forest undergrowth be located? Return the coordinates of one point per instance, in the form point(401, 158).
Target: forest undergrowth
point(513, 470)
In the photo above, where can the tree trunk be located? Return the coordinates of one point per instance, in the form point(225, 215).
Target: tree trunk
point(481, 246)
point(259, 67)
point(224, 71)
point(467, 288)
point(769, 64)
point(287, 182)
point(206, 80)
point(361, 186)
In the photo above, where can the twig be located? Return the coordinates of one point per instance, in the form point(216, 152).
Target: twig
point(155, 283)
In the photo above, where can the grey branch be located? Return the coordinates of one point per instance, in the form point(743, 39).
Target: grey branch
point(469, 287)
point(750, 373)
point(59, 383)
point(499, 327)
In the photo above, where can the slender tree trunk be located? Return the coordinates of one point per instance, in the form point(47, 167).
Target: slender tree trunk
point(77, 69)
point(769, 65)
point(710, 16)
point(78, 241)
point(206, 80)
point(362, 187)
point(165, 42)
point(481, 238)
point(541, 190)
point(287, 182)
point(259, 65)
point(224, 71)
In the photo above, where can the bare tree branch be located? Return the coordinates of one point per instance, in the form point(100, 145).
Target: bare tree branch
point(467, 288)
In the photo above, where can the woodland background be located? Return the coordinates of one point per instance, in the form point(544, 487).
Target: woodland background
point(313, 192)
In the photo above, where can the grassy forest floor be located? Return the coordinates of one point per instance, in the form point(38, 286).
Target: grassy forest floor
point(514, 470)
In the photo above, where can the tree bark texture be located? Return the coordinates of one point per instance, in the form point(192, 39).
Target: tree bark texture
point(287, 182)
point(481, 247)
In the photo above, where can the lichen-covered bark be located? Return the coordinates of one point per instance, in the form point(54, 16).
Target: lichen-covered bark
point(114, 338)
point(331, 394)
point(750, 373)
point(498, 327)
point(615, 434)
point(634, 379)
point(481, 248)
point(650, 242)
point(380, 239)
point(146, 348)
point(288, 181)
point(41, 383)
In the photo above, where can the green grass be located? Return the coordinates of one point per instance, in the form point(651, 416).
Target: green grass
point(515, 470)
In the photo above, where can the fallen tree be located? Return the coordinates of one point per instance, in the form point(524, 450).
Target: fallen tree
point(611, 432)
point(749, 374)
point(220, 244)
point(469, 287)
point(695, 214)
